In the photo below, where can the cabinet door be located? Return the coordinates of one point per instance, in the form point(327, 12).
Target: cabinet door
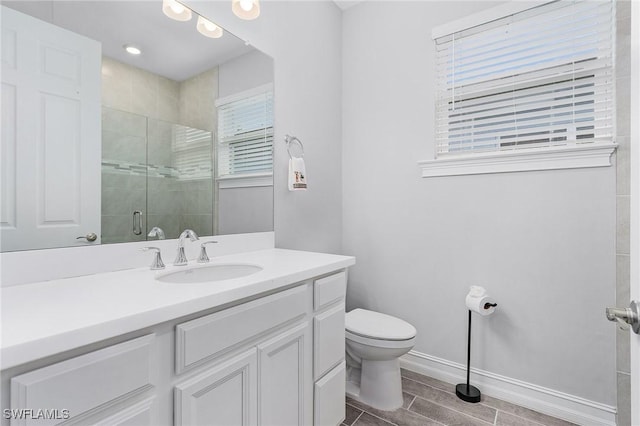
point(329, 340)
point(224, 395)
point(329, 398)
point(286, 383)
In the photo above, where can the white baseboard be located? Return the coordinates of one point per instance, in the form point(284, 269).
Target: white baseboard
point(548, 401)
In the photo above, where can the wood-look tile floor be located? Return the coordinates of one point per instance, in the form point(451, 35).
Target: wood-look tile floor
point(428, 401)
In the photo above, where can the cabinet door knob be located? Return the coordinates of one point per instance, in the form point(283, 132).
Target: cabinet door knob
point(91, 237)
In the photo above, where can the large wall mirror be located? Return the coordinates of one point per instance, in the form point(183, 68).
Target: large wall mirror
point(129, 147)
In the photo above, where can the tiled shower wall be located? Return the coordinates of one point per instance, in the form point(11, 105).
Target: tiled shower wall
point(623, 180)
point(139, 111)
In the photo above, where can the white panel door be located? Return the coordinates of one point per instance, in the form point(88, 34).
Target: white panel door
point(286, 383)
point(51, 143)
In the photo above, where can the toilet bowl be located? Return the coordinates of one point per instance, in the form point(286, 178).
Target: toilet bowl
point(374, 344)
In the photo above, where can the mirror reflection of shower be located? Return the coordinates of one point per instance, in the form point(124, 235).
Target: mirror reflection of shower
point(154, 174)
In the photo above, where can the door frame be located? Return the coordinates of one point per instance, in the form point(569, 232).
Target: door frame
point(635, 204)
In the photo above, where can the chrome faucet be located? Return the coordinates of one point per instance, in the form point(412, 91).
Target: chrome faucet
point(181, 259)
point(156, 232)
point(157, 260)
point(203, 258)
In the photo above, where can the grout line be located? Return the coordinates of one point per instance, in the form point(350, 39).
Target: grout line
point(457, 411)
point(411, 403)
point(357, 418)
point(381, 418)
point(495, 419)
point(423, 416)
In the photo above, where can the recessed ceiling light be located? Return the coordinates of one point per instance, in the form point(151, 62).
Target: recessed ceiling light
point(131, 49)
point(176, 10)
point(246, 9)
point(208, 28)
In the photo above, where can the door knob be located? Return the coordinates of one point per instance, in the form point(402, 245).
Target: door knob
point(91, 237)
point(630, 315)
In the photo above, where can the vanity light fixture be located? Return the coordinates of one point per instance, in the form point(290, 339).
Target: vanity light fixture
point(176, 10)
point(132, 50)
point(208, 28)
point(246, 9)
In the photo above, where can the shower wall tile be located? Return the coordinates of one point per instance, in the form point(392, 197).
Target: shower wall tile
point(623, 39)
point(132, 89)
point(624, 399)
point(623, 351)
point(623, 106)
point(622, 224)
point(116, 85)
point(123, 148)
point(623, 166)
point(197, 100)
point(623, 179)
point(170, 224)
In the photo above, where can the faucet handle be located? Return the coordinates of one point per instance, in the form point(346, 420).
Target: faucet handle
point(203, 258)
point(156, 232)
point(157, 261)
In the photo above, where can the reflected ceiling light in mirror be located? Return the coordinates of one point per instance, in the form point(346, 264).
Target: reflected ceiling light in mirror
point(176, 10)
point(208, 28)
point(132, 50)
point(246, 9)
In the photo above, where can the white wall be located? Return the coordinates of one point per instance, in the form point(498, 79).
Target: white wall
point(304, 39)
point(542, 243)
point(245, 72)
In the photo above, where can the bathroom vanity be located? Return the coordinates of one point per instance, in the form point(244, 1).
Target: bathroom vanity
point(128, 347)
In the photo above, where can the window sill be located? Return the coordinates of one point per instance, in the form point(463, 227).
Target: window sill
point(561, 157)
point(245, 181)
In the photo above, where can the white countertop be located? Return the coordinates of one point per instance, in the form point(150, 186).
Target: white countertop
point(45, 318)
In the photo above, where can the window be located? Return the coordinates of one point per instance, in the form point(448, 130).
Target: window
point(192, 154)
point(534, 82)
point(245, 134)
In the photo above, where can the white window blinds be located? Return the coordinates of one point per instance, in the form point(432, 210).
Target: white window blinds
point(192, 153)
point(245, 134)
point(538, 78)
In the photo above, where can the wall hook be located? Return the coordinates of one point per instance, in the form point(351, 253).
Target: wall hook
point(294, 140)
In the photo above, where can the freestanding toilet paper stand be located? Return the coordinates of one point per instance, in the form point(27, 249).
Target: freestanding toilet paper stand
point(465, 391)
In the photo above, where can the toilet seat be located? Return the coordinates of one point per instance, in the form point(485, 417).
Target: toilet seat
point(361, 324)
point(380, 343)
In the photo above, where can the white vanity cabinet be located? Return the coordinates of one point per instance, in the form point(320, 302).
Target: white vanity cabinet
point(96, 388)
point(269, 380)
point(329, 365)
point(272, 359)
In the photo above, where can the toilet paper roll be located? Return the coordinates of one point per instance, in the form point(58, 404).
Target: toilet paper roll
point(477, 299)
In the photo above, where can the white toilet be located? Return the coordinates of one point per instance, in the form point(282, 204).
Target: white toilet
point(374, 342)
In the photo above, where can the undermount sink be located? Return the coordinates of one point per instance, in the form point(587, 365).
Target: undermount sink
point(209, 273)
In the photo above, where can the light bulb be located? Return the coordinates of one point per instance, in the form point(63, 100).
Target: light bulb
point(208, 28)
point(177, 7)
point(175, 10)
point(246, 9)
point(131, 49)
point(246, 5)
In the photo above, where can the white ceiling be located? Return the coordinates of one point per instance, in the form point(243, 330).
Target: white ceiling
point(346, 4)
point(170, 48)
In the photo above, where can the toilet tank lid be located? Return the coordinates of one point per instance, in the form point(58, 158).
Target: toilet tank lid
point(378, 326)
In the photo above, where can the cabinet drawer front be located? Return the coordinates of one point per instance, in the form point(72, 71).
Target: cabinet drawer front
point(329, 398)
point(85, 384)
point(329, 289)
point(329, 335)
point(204, 338)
